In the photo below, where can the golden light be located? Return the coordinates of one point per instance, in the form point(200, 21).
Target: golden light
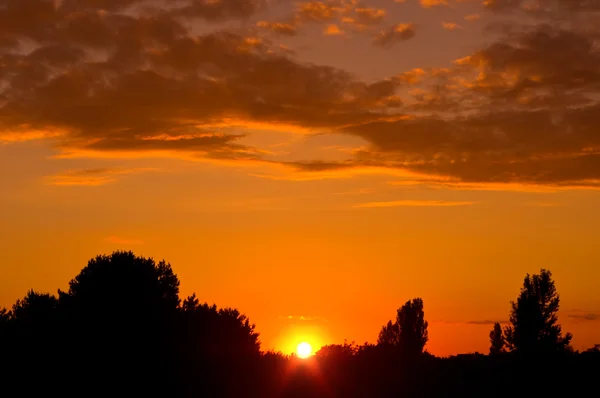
point(304, 350)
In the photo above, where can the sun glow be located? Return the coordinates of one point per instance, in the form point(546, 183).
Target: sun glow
point(304, 350)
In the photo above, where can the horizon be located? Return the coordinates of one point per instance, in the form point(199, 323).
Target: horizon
point(314, 164)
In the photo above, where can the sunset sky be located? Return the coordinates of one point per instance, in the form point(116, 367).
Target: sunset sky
point(315, 164)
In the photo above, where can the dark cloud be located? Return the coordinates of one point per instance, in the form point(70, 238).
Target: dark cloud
point(522, 110)
point(222, 9)
point(585, 316)
point(486, 322)
point(319, 11)
point(113, 76)
point(395, 34)
point(112, 81)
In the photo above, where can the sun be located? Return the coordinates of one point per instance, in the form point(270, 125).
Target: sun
point(304, 350)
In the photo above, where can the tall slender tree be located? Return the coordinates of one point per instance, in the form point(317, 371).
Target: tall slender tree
point(409, 331)
point(534, 324)
point(497, 341)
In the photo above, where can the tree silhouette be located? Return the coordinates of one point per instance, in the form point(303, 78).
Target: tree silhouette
point(216, 343)
point(122, 306)
point(409, 332)
point(389, 334)
point(533, 318)
point(35, 309)
point(121, 330)
point(497, 341)
point(31, 328)
point(337, 352)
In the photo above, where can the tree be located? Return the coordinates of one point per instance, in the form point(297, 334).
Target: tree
point(337, 352)
point(217, 345)
point(497, 341)
point(533, 319)
point(31, 336)
point(34, 308)
point(123, 281)
point(119, 313)
point(389, 335)
point(409, 332)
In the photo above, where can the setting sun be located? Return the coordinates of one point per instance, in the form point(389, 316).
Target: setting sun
point(304, 350)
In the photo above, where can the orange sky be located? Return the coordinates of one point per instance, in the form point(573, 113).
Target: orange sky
point(314, 164)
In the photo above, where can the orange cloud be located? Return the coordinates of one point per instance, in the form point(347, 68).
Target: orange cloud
point(396, 33)
point(93, 177)
point(433, 3)
point(512, 113)
point(472, 17)
point(414, 203)
point(333, 30)
point(451, 26)
point(281, 28)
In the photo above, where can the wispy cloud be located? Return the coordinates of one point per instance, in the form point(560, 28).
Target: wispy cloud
point(302, 318)
point(495, 187)
point(93, 177)
point(486, 322)
point(451, 26)
point(414, 203)
point(478, 322)
point(584, 316)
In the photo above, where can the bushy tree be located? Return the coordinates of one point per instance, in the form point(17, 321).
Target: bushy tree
point(533, 319)
point(409, 332)
point(124, 282)
point(120, 313)
point(389, 334)
point(337, 352)
point(216, 343)
point(497, 341)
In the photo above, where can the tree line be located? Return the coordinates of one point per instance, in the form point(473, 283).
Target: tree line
point(121, 329)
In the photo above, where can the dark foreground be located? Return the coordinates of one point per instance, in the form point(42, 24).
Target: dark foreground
point(121, 330)
point(367, 375)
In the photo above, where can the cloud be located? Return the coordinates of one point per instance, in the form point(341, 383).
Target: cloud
point(115, 79)
point(116, 83)
point(472, 17)
point(120, 241)
point(446, 184)
point(396, 33)
point(414, 203)
point(217, 10)
point(93, 177)
point(280, 28)
point(584, 316)
point(303, 318)
point(486, 322)
point(433, 3)
point(451, 26)
point(483, 322)
point(511, 113)
point(353, 14)
point(369, 16)
point(333, 30)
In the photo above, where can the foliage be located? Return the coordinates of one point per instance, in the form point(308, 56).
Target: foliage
point(409, 332)
point(533, 319)
point(497, 342)
point(121, 330)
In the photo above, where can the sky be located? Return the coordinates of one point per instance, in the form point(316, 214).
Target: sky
point(314, 164)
